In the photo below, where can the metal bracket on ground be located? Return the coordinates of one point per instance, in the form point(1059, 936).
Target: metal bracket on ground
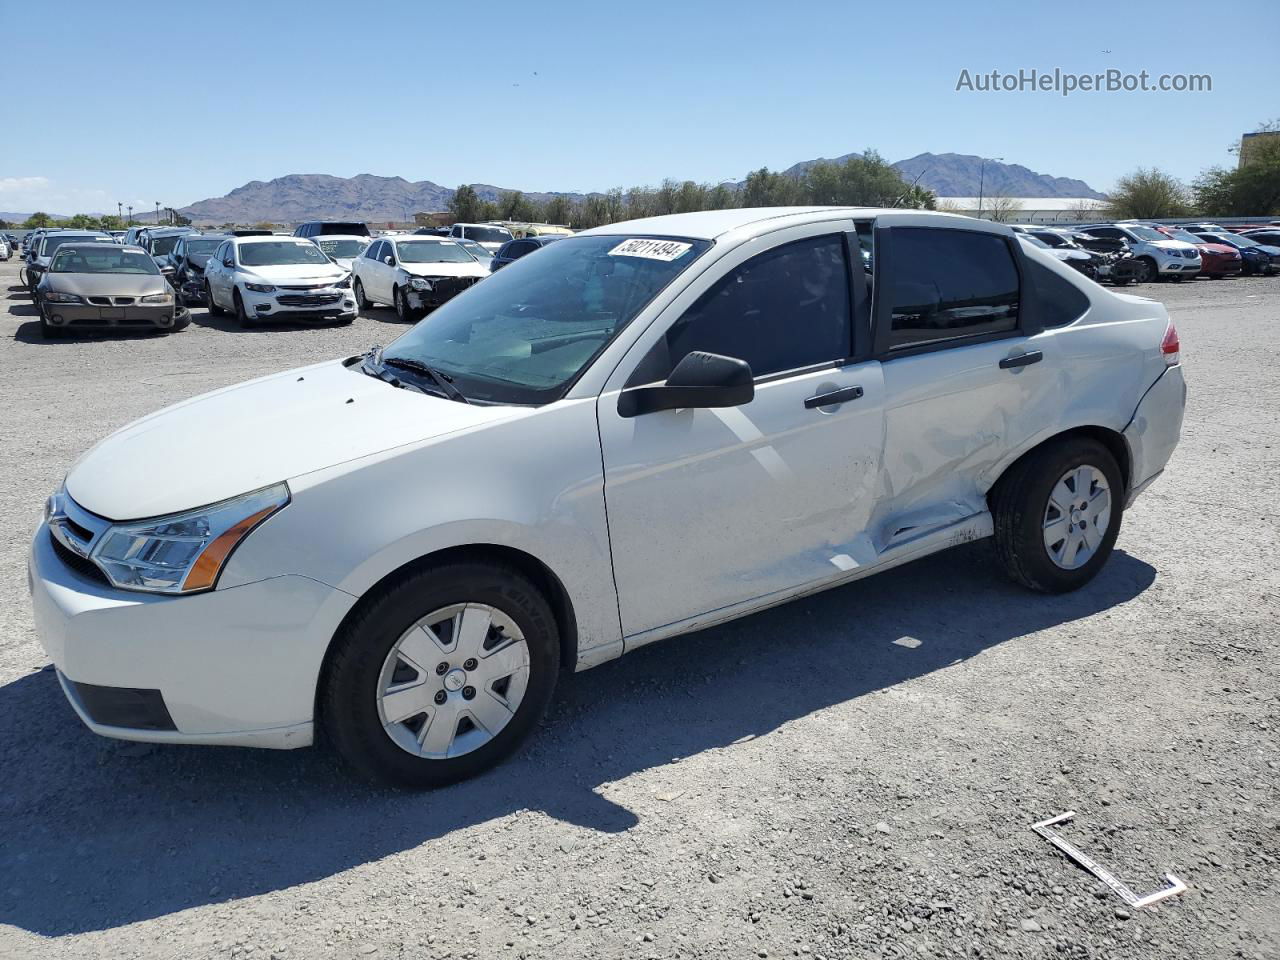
point(1043, 828)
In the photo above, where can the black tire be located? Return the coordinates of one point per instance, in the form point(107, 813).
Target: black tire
point(214, 309)
point(1018, 505)
point(1148, 272)
point(50, 332)
point(403, 313)
point(347, 701)
point(362, 302)
point(242, 317)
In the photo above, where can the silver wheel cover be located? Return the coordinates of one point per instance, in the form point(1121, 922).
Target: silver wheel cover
point(453, 681)
point(1077, 517)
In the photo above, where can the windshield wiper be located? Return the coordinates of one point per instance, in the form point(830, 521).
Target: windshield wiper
point(443, 380)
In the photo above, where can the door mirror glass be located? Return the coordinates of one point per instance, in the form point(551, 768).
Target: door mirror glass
point(699, 380)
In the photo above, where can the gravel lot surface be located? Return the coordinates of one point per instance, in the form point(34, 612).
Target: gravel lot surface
point(852, 775)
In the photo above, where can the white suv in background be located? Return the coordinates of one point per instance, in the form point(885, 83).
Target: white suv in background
point(277, 278)
point(413, 273)
point(1158, 255)
point(488, 235)
point(646, 429)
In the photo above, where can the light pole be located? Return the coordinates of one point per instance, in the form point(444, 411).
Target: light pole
point(130, 209)
point(157, 213)
point(120, 211)
point(982, 170)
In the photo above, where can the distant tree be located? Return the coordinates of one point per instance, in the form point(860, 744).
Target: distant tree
point(557, 210)
point(5, 225)
point(109, 221)
point(1252, 189)
point(1001, 208)
point(37, 220)
point(1087, 210)
point(514, 205)
point(488, 210)
point(82, 221)
point(465, 204)
point(764, 188)
point(1148, 194)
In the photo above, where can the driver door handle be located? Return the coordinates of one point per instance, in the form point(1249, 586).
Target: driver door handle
point(1021, 360)
point(834, 397)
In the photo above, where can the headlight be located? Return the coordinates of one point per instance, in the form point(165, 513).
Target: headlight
point(344, 283)
point(417, 283)
point(158, 298)
point(53, 296)
point(185, 552)
point(260, 287)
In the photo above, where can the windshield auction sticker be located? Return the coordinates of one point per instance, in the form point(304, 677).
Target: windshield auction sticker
point(651, 249)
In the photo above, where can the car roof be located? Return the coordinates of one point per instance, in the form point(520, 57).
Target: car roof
point(339, 236)
point(268, 238)
point(709, 224)
point(104, 245)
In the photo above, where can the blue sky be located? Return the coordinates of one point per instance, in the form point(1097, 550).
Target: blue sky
point(584, 96)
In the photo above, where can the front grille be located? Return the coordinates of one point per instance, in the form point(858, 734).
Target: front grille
point(309, 286)
point(111, 301)
point(86, 568)
point(308, 300)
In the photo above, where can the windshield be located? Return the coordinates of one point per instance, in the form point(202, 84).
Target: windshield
point(274, 253)
point(1238, 241)
point(342, 249)
point(1053, 239)
point(1183, 236)
point(527, 331)
point(432, 251)
point(51, 244)
point(1146, 233)
point(477, 251)
point(202, 246)
point(487, 234)
point(1032, 238)
point(82, 260)
point(163, 245)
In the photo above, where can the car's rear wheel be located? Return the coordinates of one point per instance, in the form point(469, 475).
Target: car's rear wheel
point(214, 309)
point(362, 302)
point(441, 675)
point(1057, 514)
point(242, 315)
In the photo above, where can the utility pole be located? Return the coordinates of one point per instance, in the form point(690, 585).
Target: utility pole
point(120, 211)
point(130, 209)
point(982, 170)
point(157, 213)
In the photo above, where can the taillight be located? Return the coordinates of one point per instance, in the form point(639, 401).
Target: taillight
point(1169, 346)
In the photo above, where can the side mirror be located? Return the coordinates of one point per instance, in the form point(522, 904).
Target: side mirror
point(228, 263)
point(700, 380)
point(389, 261)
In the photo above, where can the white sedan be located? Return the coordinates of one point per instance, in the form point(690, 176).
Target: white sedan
point(414, 273)
point(267, 278)
point(647, 428)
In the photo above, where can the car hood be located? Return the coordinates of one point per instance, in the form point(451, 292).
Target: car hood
point(445, 269)
point(284, 273)
point(1173, 245)
point(107, 284)
point(199, 260)
point(1266, 248)
point(254, 434)
point(1219, 249)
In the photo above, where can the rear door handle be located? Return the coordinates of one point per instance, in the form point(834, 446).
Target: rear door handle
point(834, 397)
point(1021, 360)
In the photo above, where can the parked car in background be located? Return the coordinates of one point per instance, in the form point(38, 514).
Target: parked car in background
point(1217, 260)
point(261, 279)
point(413, 273)
point(410, 546)
point(106, 286)
point(1118, 265)
point(187, 262)
point(160, 243)
point(253, 232)
point(1157, 256)
point(133, 236)
point(489, 236)
point(6, 251)
point(1268, 236)
point(117, 235)
point(341, 249)
point(432, 232)
point(513, 250)
point(342, 228)
point(1257, 258)
point(42, 254)
point(1076, 259)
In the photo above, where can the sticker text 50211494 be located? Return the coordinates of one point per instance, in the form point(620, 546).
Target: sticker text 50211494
point(651, 249)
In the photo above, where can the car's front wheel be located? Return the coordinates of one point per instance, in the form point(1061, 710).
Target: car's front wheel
point(242, 315)
point(1147, 271)
point(1057, 514)
point(403, 312)
point(441, 675)
point(362, 302)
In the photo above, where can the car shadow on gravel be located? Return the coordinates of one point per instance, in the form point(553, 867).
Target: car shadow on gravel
point(95, 834)
point(201, 317)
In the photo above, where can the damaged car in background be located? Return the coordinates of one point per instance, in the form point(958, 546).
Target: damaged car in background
point(187, 261)
point(105, 286)
point(414, 273)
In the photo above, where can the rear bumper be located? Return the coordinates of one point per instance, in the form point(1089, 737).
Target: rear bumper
point(1153, 432)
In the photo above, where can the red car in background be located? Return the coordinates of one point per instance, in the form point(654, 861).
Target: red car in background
point(1216, 259)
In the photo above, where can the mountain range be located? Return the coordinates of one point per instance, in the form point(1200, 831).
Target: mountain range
point(307, 196)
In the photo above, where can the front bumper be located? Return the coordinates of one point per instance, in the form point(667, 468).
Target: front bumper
point(137, 316)
point(310, 304)
point(443, 289)
point(1178, 266)
point(236, 666)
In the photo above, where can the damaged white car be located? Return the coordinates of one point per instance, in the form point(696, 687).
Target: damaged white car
point(647, 428)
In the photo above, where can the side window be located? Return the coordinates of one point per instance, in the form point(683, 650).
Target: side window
point(375, 250)
point(1059, 301)
point(1108, 232)
point(784, 309)
point(389, 250)
point(945, 284)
